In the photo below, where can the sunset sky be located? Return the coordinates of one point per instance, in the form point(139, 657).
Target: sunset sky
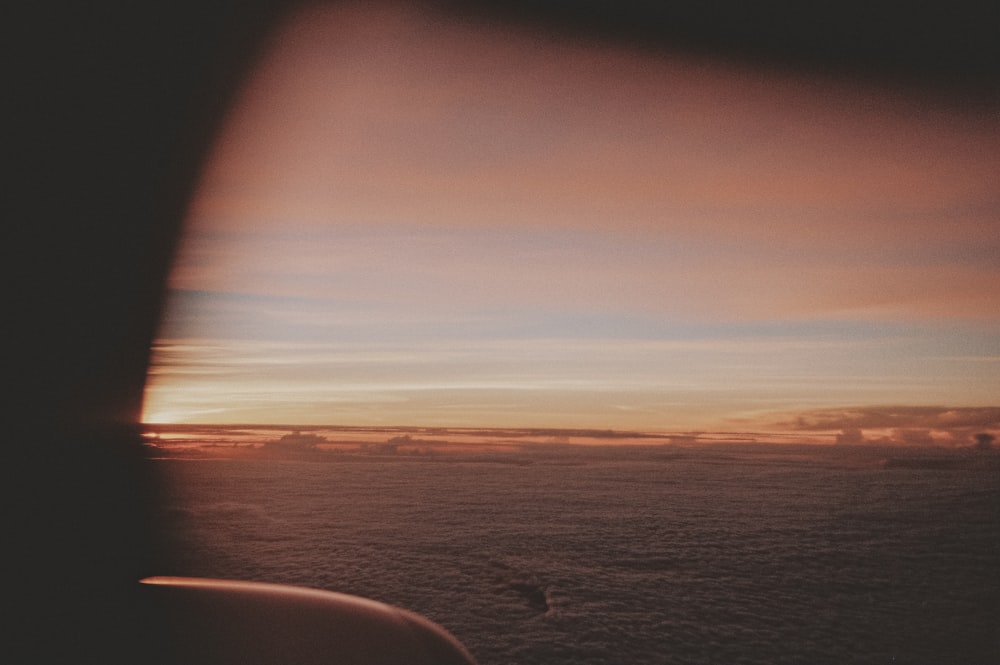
point(412, 221)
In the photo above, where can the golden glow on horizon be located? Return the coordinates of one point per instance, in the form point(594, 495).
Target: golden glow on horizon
point(413, 221)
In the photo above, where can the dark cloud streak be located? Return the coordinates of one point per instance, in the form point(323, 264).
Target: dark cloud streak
point(896, 417)
point(904, 425)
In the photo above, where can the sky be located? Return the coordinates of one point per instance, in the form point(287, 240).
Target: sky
point(413, 221)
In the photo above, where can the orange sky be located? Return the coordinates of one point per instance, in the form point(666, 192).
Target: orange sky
point(412, 221)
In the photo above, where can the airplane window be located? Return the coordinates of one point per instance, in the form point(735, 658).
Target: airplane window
point(590, 351)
